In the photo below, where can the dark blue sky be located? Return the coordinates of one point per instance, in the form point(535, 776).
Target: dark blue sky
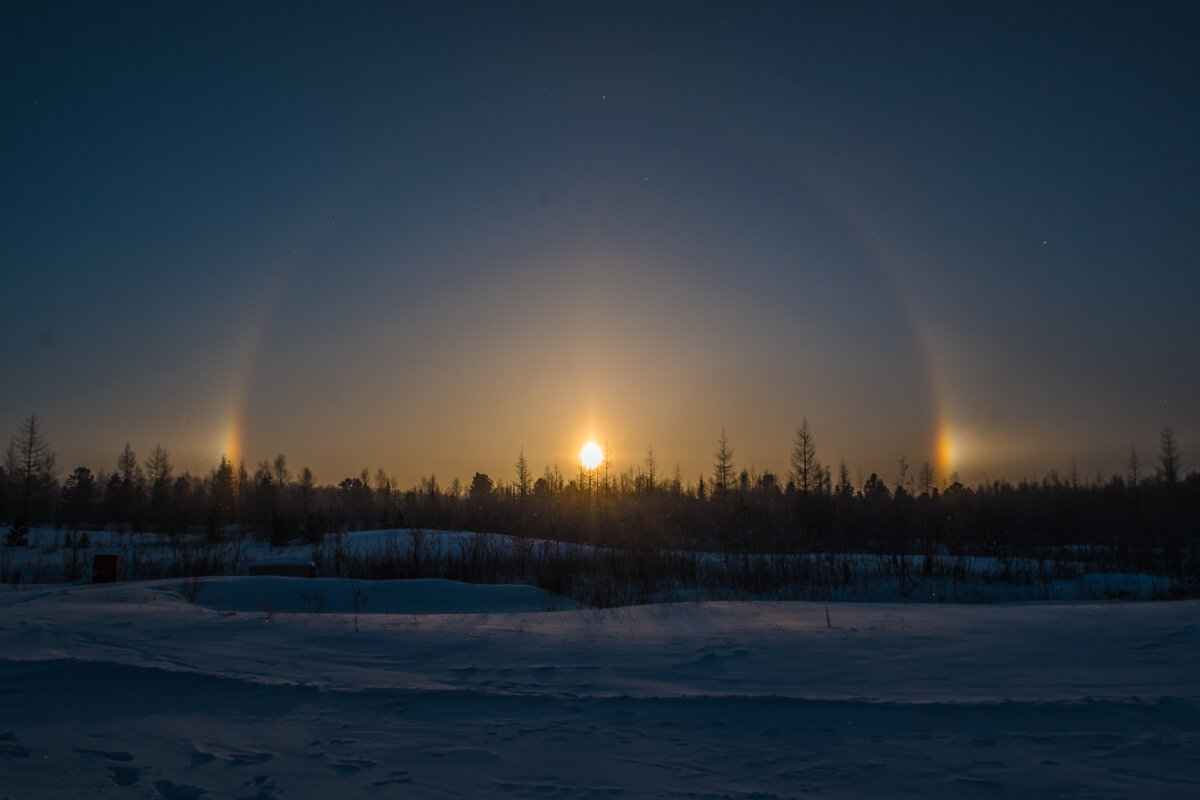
point(421, 238)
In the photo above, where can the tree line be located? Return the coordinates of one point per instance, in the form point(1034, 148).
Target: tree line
point(1147, 517)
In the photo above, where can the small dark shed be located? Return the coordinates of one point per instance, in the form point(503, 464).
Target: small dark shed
point(105, 568)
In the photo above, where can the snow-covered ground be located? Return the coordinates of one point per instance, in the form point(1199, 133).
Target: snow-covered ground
point(448, 690)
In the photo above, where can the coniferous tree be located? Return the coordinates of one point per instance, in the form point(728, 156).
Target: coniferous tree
point(804, 460)
point(875, 488)
point(723, 468)
point(281, 471)
point(79, 498)
point(1170, 461)
point(158, 466)
point(158, 475)
point(903, 482)
point(313, 524)
point(1135, 485)
point(29, 464)
point(845, 488)
point(355, 499)
point(264, 496)
point(1135, 469)
point(187, 503)
point(481, 486)
point(651, 471)
point(241, 492)
point(125, 490)
point(222, 497)
point(522, 476)
point(926, 478)
point(305, 484)
point(481, 496)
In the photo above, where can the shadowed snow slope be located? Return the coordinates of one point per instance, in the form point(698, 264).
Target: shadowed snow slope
point(128, 690)
point(311, 595)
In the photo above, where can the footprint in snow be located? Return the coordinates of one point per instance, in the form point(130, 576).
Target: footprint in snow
point(126, 776)
point(464, 755)
point(179, 791)
point(395, 776)
point(111, 755)
point(236, 758)
point(12, 750)
point(263, 789)
point(248, 759)
point(350, 766)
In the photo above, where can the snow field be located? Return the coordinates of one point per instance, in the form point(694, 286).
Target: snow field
point(450, 690)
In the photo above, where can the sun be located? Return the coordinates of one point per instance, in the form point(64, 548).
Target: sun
point(591, 455)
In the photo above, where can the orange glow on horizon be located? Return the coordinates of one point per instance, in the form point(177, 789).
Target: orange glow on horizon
point(231, 443)
point(945, 451)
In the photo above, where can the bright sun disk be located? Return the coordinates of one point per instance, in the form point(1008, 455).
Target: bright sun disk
point(591, 455)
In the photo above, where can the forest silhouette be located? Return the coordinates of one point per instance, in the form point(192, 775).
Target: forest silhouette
point(1145, 521)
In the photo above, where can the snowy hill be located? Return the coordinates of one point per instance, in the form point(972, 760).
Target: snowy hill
point(129, 690)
